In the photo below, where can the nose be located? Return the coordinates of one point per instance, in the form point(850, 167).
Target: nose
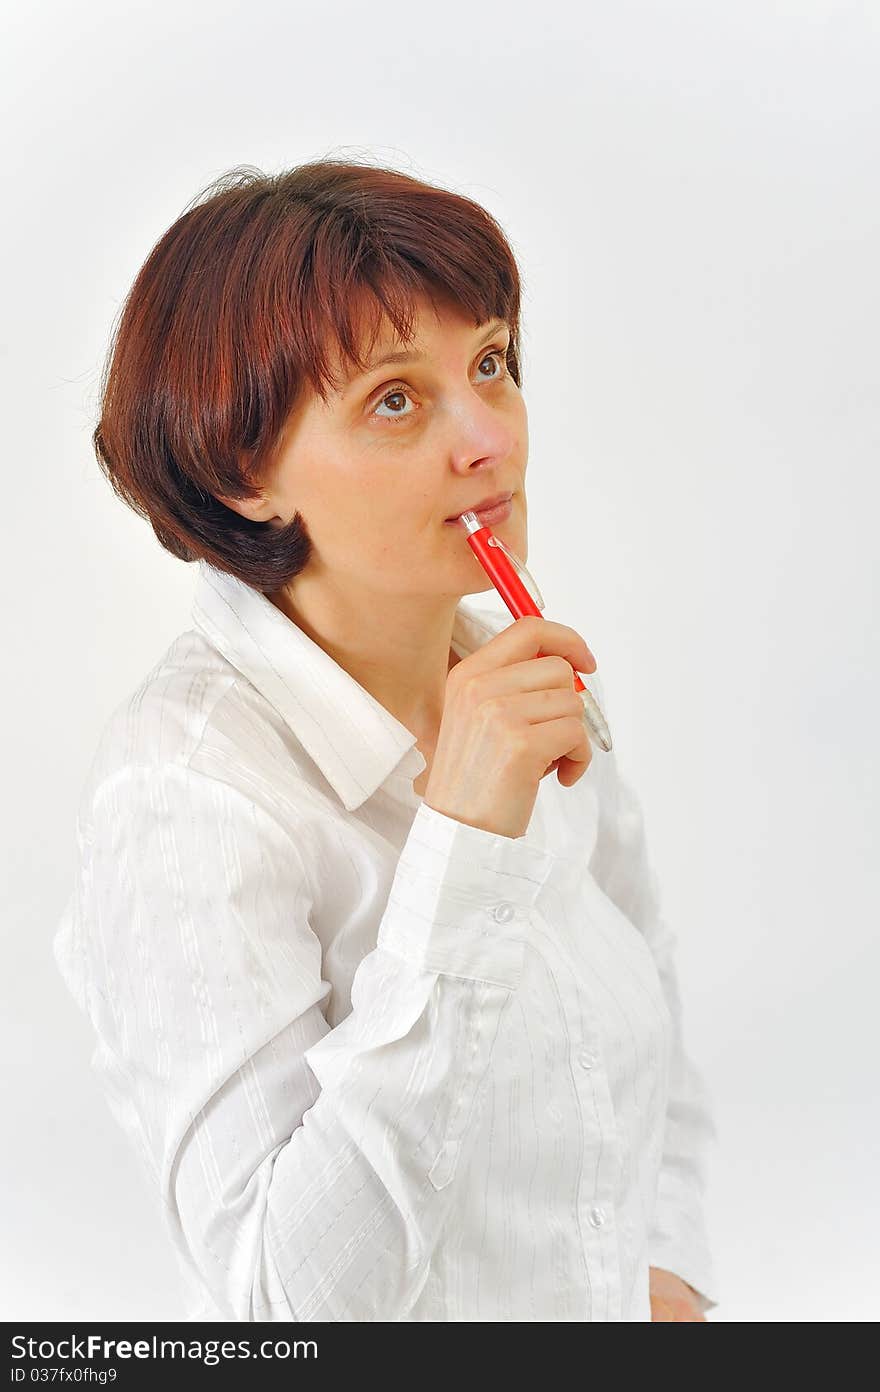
point(480, 433)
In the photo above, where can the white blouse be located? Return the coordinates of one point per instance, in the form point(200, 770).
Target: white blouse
point(379, 1064)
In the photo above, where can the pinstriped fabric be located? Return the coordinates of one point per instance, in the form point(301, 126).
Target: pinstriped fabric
point(378, 1064)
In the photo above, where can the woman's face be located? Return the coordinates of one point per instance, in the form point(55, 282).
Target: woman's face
point(377, 468)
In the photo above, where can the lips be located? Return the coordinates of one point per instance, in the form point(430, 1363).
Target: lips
point(484, 506)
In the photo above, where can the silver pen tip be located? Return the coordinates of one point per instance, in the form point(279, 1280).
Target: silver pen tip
point(595, 720)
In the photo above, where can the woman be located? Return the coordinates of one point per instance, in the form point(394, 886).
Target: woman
point(395, 1030)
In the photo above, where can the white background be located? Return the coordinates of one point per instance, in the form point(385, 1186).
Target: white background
point(691, 190)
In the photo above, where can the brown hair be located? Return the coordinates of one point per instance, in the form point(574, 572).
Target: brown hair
point(230, 318)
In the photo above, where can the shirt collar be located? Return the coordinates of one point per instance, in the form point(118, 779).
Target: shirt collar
point(353, 739)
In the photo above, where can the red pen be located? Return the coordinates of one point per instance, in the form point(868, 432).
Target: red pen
point(522, 596)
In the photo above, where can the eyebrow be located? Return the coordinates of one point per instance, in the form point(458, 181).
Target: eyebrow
point(404, 357)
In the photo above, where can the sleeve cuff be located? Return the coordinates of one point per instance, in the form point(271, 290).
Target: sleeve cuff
point(461, 899)
point(678, 1243)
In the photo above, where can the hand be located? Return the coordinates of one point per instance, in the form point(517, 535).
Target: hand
point(510, 717)
point(672, 1299)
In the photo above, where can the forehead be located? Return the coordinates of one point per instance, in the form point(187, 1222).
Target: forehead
point(375, 332)
point(377, 340)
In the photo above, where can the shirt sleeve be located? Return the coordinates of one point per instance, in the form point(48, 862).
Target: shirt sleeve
point(678, 1238)
point(305, 1172)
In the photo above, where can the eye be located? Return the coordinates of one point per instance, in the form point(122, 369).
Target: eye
point(400, 389)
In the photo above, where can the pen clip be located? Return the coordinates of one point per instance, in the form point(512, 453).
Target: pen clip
point(520, 568)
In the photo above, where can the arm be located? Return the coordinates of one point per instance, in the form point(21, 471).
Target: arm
point(306, 1172)
point(678, 1240)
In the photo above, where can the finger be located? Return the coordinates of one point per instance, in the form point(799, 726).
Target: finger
point(661, 1311)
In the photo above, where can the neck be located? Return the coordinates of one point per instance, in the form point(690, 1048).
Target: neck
point(400, 654)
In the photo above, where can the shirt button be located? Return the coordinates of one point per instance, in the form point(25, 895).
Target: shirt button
point(597, 1216)
point(586, 1060)
point(503, 913)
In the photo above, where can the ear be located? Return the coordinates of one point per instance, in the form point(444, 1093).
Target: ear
point(259, 509)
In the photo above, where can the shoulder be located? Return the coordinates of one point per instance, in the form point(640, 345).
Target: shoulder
point(195, 711)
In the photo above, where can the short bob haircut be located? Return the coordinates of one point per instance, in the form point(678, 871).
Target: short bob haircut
point(229, 321)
